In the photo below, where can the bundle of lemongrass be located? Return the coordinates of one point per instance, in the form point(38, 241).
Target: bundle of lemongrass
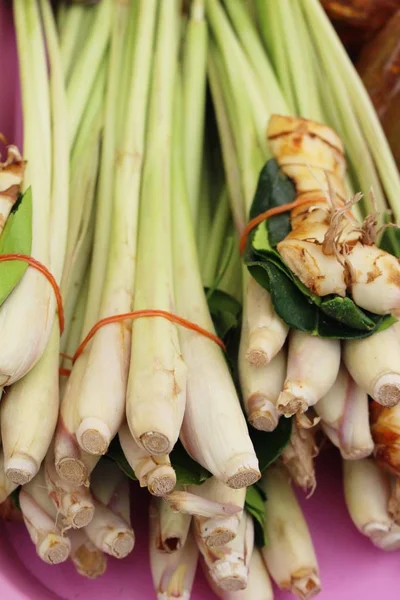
point(141, 229)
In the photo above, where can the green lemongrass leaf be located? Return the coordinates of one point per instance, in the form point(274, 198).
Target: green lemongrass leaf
point(270, 444)
point(329, 316)
point(188, 471)
point(16, 239)
point(255, 506)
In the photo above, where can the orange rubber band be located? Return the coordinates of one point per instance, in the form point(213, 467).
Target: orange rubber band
point(138, 314)
point(64, 372)
point(271, 212)
point(66, 356)
point(44, 270)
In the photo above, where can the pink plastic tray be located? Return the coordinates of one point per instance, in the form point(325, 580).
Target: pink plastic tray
point(351, 568)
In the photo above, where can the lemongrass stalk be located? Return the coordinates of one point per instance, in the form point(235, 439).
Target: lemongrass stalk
point(215, 235)
point(110, 529)
point(228, 565)
point(259, 585)
point(106, 372)
point(249, 38)
point(172, 573)
point(156, 392)
point(70, 35)
point(298, 457)
point(85, 71)
point(332, 50)
point(203, 224)
point(230, 280)
point(28, 415)
point(11, 176)
point(394, 500)
point(74, 324)
point(194, 53)
point(228, 145)
point(25, 328)
point(40, 518)
point(194, 504)
point(169, 527)
point(374, 364)
point(289, 553)
point(88, 560)
point(366, 491)
point(312, 368)
point(222, 446)
point(74, 504)
point(51, 546)
point(344, 417)
point(6, 485)
point(260, 385)
point(219, 530)
point(153, 472)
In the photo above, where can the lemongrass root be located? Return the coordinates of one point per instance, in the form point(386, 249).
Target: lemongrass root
point(219, 530)
point(312, 368)
point(374, 364)
point(298, 458)
point(228, 565)
point(266, 332)
point(367, 492)
point(29, 415)
point(260, 385)
point(289, 553)
point(88, 560)
point(11, 175)
point(259, 586)
point(170, 528)
point(173, 573)
point(74, 504)
point(153, 472)
point(345, 417)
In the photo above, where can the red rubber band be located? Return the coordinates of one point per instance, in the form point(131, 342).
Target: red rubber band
point(66, 356)
point(271, 212)
point(44, 270)
point(138, 314)
point(64, 372)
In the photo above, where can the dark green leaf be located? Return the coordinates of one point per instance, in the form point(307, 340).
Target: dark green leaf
point(331, 316)
point(270, 444)
point(188, 471)
point(15, 239)
point(390, 241)
point(15, 498)
point(116, 453)
point(255, 505)
point(225, 312)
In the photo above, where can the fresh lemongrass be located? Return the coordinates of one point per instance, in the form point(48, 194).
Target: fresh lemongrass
point(289, 553)
point(228, 565)
point(332, 52)
point(374, 364)
point(170, 528)
point(6, 485)
point(40, 517)
point(86, 68)
point(153, 472)
point(298, 457)
point(88, 560)
point(71, 28)
point(193, 504)
point(194, 52)
point(73, 327)
point(156, 392)
point(385, 428)
point(344, 417)
point(259, 586)
point(219, 530)
point(110, 530)
point(261, 386)
point(25, 328)
point(173, 573)
point(74, 504)
point(106, 371)
point(222, 446)
point(203, 223)
point(394, 500)
point(312, 367)
point(11, 177)
point(366, 491)
point(219, 226)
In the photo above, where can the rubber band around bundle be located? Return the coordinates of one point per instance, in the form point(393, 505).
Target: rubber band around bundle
point(271, 212)
point(32, 262)
point(139, 314)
